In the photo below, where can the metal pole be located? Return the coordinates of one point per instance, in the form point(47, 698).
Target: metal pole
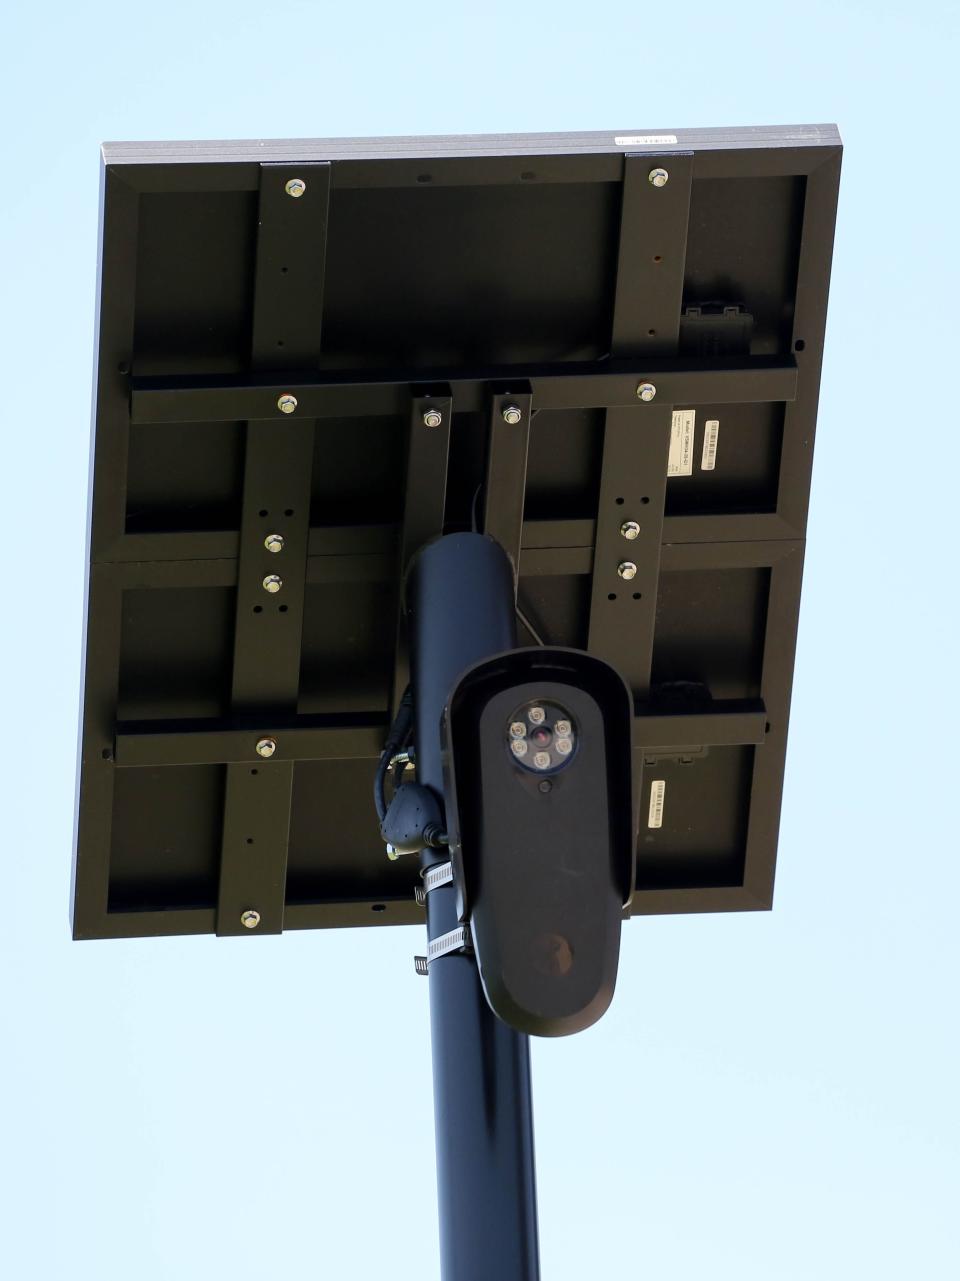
point(460, 607)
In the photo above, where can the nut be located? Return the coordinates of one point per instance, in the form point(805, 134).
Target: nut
point(658, 177)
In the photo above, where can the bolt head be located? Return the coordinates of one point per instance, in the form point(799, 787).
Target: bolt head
point(432, 418)
point(627, 569)
point(272, 583)
point(273, 543)
point(295, 187)
point(266, 747)
point(646, 392)
point(250, 919)
point(630, 530)
point(287, 403)
point(658, 177)
point(511, 414)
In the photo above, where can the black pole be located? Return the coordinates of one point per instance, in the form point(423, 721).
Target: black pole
point(460, 607)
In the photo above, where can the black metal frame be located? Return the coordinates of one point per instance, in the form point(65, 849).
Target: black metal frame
point(635, 442)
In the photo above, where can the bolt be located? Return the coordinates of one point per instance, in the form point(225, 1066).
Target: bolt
point(432, 418)
point(627, 569)
point(658, 177)
point(272, 583)
point(630, 530)
point(295, 187)
point(273, 542)
point(266, 747)
point(250, 919)
point(511, 414)
point(287, 403)
point(646, 391)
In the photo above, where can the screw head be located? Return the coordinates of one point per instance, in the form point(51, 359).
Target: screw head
point(266, 747)
point(295, 187)
point(432, 418)
point(287, 403)
point(627, 569)
point(250, 919)
point(272, 583)
point(511, 414)
point(646, 391)
point(658, 177)
point(630, 530)
point(273, 543)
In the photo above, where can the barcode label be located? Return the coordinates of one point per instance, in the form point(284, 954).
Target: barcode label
point(655, 813)
point(680, 460)
point(646, 140)
point(711, 430)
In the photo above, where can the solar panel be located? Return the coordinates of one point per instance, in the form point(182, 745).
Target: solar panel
point(307, 353)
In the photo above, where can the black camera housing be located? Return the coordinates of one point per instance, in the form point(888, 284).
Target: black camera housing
point(543, 857)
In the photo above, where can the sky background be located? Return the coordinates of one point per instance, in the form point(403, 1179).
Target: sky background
point(772, 1097)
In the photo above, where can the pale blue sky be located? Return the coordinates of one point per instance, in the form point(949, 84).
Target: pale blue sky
point(771, 1097)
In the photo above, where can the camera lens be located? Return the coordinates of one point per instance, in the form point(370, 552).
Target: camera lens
point(542, 737)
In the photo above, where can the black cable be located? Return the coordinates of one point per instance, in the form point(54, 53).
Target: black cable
point(396, 739)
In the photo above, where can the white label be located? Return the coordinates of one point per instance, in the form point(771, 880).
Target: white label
point(711, 430)
point(655, 814)
point(646, 140)
point(680, 461)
